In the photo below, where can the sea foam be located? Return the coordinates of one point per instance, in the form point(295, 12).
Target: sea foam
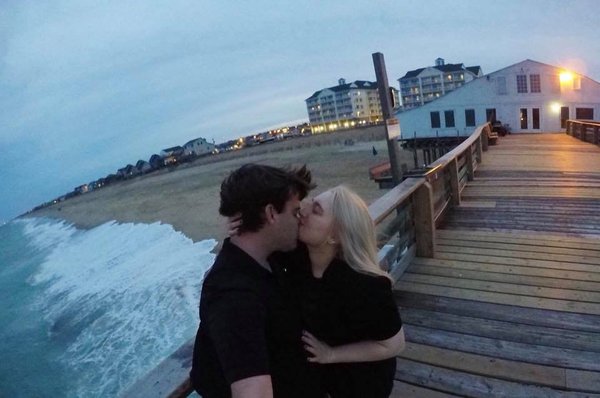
point(118, 297)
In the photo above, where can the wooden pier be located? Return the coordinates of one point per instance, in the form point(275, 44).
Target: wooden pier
point(496, 254)
point(509, 304)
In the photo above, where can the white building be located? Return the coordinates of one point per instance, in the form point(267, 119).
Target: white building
point(528, 96)
point(423, 85)
point(345, 105)
point(198, 146)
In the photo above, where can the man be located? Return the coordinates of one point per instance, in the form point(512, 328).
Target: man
point(238, 326)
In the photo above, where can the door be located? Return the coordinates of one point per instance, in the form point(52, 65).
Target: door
point(530, 119)
point(564, 116)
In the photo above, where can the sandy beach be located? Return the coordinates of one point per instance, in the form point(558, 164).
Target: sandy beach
point(188, 197)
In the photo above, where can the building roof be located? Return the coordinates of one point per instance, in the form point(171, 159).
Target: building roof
point(543, 64)
point(191, 142)
point(444, 68)
point(413, 73)
point(358, 84)
point(476, 70)
point(460, 89)
point(173, 149)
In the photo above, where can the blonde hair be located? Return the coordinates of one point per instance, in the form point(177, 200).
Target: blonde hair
point(355, 231)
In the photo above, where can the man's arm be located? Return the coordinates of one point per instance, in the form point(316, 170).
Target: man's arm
point(362, 351)
point(252, 387)
point(238, 321)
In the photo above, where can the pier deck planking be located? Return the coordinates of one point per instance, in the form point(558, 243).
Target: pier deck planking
point(510, 303)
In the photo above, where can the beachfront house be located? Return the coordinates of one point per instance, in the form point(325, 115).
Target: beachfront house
point(81, 189)
point(198, 147)
point(127, 172)
point(345, 105)
point(156, 161)
point(423, 85)
point(172, 155)
point(143, 167)
point(231, 145)
point(111, 178)
point(527, 97)
point(99, 183)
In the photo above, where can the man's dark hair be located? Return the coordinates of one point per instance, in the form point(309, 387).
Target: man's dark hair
point(247, 190)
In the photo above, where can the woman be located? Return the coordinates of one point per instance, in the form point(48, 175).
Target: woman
point(352, 329)
point(352, 325)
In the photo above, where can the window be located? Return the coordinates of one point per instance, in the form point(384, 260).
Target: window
point(534, 83)
point(501, 85)
point(435, 120)
point(584, 113)
point(449, 118)
point(521, 83)
point(535, 115)
point(470, 117)
point(490, 115)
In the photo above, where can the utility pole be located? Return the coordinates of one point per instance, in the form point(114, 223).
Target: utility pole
point(392, 125)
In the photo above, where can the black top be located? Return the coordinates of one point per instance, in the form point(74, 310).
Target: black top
point(345, 306)
point(247, 330)
point(231, 340)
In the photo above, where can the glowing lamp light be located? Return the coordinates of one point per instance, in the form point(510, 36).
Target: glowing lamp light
point(565, 77)
point(555, 107)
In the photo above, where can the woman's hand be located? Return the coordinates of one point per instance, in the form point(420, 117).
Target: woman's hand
point(233, 225)
point(321, 352)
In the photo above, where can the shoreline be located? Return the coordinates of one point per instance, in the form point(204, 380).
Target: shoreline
point(187, 198)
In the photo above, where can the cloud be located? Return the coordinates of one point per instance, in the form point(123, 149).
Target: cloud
point(87, 87)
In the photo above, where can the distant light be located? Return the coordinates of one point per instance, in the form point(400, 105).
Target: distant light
point(555, 107)
point(566, 77)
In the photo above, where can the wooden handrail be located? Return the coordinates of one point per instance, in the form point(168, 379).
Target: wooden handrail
point(579, 121)
point(580, 128)
point(450, 156)
point(416, 205)
point(386, 204)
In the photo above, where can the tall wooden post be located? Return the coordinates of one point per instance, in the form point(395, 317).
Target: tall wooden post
point(479, 148)
point(454, 182)
point(469, 160)
point(424, 220)
point(485, 137)
point(392, 125)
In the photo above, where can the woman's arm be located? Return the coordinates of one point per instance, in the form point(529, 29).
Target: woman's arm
point(362, 351)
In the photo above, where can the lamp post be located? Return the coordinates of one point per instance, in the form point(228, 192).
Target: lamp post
point(392, 125)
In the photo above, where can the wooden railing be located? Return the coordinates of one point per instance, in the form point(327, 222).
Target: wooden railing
point(406, 218)
point(587, 131)
point(407, 215)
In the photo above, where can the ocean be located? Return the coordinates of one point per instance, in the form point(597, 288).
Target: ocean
point(85, 313)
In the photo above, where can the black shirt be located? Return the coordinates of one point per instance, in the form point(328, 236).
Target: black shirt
point(247, 329)
point(342, 307)
point(231, 342)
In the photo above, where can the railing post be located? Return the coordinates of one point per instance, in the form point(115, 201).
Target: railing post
point(479, 149)
point(470, 172)
point(485, 137)
point(424, 222)
point(454, 182)
point(596, 135)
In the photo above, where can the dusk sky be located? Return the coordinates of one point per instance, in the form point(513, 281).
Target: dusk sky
point(88, 87)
